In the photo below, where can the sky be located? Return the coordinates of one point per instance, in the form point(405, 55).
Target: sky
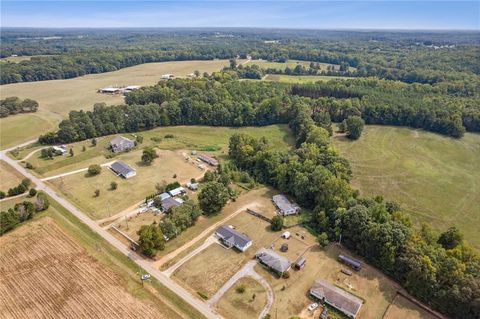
point(357, 14)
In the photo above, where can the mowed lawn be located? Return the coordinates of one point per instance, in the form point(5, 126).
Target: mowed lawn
point(184, 138)
point(79, 188)
point(301, 78)
point(237, 305)
point(435, 178)
point(58, 97)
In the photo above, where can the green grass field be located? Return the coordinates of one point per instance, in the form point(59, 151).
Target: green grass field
point(290, 63)
point(301, 78)
point(58, 97)
point(185, 137)
point(435, 178)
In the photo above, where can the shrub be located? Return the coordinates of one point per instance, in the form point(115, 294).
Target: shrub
point(169, 136)
point(277, 223)
point(156, 139)
point(32, 192)
point(286, 275)
point(28, 165)
point(202, 295)
point(2, 195)
point(97, 193)
point(113, 185)
point(94, 169)
point(240, 289)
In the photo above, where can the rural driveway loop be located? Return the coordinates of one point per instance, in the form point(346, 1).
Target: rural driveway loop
point(246, 271)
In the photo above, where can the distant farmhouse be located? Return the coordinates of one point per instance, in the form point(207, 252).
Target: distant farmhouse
point(232, 238)
point(122, 169)
point(336, 297)
point(121, 144)
point(166, 76)
point(207, 159)
point(285, 207)
point(118, 90)
point(274, 261)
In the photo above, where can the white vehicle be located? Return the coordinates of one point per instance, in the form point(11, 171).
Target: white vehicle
point(143, 209)
point(312, 306)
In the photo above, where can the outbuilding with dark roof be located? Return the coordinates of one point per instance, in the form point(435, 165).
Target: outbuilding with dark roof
point(274, 261)
point(232, 238)
point(122, 169)
point(336, 297)
point(121, 144)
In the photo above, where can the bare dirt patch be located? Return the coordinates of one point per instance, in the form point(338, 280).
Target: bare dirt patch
point(47, 274)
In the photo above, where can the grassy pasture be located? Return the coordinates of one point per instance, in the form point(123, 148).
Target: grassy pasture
point(24, 127)
point(9, 177)
point(405, 309)
point(79, 188)
point(185, 137)
point(289, 63)
point(435, 178)
point(301, 78)
point(58, 97)
point(236, 305)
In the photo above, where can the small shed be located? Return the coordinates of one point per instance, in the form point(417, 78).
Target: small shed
point(300, 263)
point(177, 191)
point(286, 235)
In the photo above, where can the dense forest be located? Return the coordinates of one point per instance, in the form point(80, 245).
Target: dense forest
point(423, 57)
point(13, 105)
point(222, 101)
point(441, 270)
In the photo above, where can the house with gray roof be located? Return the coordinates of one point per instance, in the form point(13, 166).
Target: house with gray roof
point(170, 202)
point(274, 261)
point(121, 144)
point(232, 238)
point(284, 206)
point(336, 297)
point(122, 169)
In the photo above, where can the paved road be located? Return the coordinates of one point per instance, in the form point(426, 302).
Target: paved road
point(148, 266)
point(246, 271)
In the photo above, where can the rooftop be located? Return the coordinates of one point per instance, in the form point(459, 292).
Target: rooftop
point(337, 297)
point(121, 168)
point(233, 236)
point(273, 260)
point(119, 140)
point(284, 204)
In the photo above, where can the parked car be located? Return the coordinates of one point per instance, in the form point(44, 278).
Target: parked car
point(312, 306)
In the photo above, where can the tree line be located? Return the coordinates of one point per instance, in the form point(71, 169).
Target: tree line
point(21, 212)
point(419, 57)
point(14, 105)
point(441, 270)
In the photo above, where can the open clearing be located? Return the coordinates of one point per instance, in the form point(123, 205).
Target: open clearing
point(405, 309)
point(58, 97)
point(236, 305)
point(79, 188)
point(185, 137)
point(47, 274)
point(435, 178)
point(291, 64)
point(301, 78)
point(9, 177)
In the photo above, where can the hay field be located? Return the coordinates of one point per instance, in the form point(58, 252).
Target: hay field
point(435, 178)
point(58, 97)
point(45, 273)
point(289, 63)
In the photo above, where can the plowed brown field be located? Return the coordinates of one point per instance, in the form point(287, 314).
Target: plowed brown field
point(46, 274)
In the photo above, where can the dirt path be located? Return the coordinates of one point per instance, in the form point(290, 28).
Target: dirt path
point(210, 240)
point(176, 252)
point(74, 172)
point(13, 197)
point(246, 271)
point(30, 154)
